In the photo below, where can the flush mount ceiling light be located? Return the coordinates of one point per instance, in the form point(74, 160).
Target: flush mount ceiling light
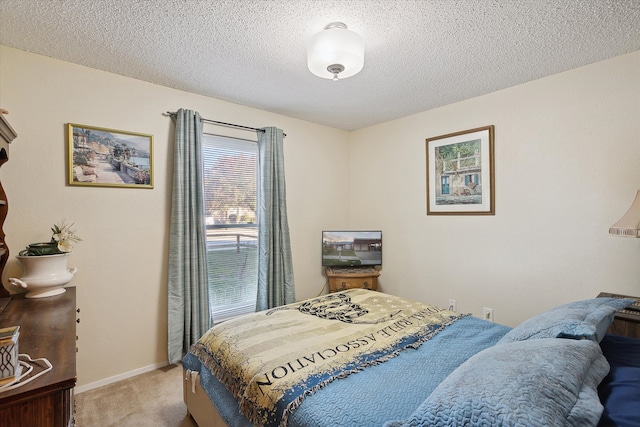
point(335, 51)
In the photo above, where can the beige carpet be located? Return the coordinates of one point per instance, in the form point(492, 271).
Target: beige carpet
point(151, 399)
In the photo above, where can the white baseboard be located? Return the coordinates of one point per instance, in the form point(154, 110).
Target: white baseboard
point(120, 377)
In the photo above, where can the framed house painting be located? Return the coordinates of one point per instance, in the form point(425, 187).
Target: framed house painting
point(100, 157)
point(460, 173)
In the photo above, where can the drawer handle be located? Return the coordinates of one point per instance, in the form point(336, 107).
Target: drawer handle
point(344, 285)
point(78, 320)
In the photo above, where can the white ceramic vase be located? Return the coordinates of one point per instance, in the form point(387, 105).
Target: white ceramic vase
point(44, 275)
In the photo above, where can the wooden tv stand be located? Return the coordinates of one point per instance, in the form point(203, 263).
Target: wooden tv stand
point(343, 278)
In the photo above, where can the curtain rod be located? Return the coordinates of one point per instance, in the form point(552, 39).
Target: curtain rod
point(231, 125)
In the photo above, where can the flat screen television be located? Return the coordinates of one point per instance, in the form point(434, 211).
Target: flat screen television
point(351, 248)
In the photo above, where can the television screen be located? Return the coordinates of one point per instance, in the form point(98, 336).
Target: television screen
point(351, 248)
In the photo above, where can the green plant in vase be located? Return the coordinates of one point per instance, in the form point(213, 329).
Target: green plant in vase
point(62, 240)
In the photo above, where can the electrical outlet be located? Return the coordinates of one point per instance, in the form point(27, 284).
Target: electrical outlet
point(452, 305)
point(488, 313)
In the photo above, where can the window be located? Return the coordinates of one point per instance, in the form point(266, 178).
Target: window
point(445, 184)
point(471, 180)
point(230, 174)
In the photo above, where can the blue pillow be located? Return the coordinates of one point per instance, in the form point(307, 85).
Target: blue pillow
point(545, 382)
point(586, 319)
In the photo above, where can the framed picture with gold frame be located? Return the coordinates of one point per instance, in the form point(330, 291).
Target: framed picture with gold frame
point(460, 173)
point(101, 157)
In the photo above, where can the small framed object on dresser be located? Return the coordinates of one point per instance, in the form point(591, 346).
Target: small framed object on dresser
point(626, 321)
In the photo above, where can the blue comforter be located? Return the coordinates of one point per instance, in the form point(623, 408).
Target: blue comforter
point(545, 371)
point(389, 391)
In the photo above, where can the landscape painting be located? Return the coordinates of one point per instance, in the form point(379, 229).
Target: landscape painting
point(109, 158)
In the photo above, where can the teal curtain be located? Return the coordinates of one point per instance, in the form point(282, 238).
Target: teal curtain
point(275, 269)
point(189, 315)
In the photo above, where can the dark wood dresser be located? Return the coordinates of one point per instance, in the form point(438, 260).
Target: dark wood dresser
point(47, 329)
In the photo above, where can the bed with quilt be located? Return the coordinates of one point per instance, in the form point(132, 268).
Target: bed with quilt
point(365, 358)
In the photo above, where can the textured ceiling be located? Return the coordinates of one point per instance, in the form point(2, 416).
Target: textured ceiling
point(419, 54)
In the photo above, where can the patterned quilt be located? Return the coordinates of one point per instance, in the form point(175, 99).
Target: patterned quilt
point(271, 360)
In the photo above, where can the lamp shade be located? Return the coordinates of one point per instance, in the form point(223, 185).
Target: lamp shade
point(335, 52)
point(629, 224)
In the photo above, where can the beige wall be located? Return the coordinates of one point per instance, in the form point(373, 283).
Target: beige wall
point(122, 264)
point(567, 152)
point(567, 149)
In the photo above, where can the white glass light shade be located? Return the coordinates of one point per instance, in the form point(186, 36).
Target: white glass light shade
point(629, 224)
point(335, 45)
